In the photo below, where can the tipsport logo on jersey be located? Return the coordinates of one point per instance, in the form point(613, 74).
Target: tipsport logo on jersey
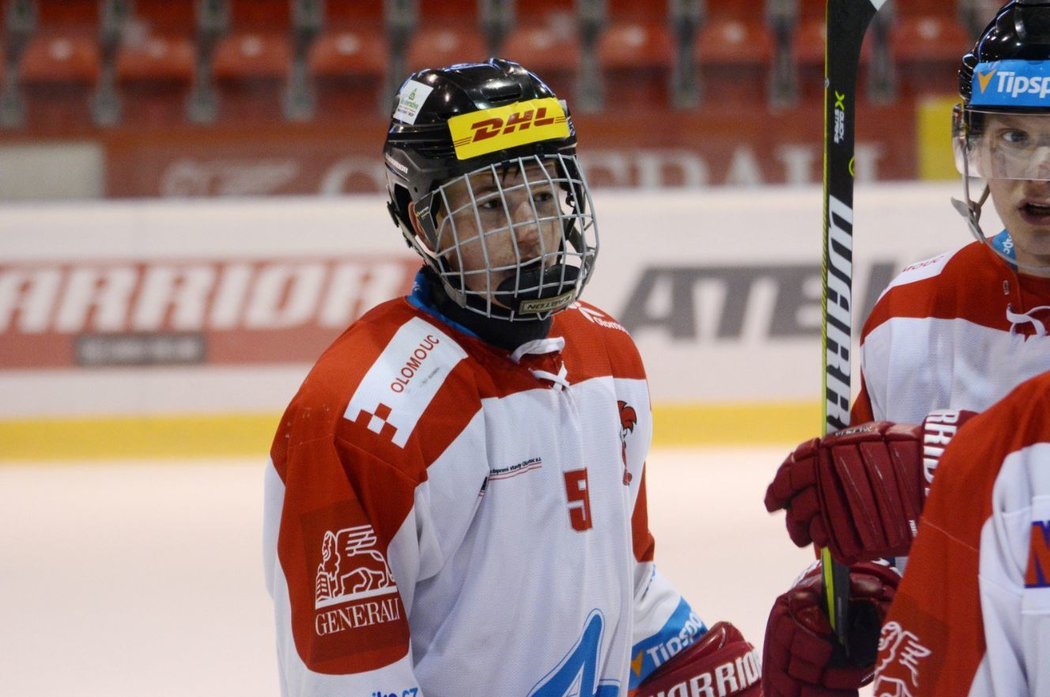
point(355, 604)
point(1012, 83)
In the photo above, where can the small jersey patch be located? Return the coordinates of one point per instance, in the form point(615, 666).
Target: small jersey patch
point(1037, 575)
point(402, 382)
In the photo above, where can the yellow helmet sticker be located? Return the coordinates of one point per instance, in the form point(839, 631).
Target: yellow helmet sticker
point(481, 132)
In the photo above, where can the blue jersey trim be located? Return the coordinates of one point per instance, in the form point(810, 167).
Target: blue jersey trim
point(1004, 244)
point(420, 298)
point(682, 628)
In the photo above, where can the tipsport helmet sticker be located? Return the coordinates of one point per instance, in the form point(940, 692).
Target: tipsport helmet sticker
point(1011, 83)
point(482, 132)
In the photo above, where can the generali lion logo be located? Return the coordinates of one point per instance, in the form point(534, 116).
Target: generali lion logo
point(628, 419)
point(898, 672)
point(351, 567)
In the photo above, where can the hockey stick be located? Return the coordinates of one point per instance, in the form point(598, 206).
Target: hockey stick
point(845, 22)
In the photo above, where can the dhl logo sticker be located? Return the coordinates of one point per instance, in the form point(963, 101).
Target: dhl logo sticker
point(499, 128)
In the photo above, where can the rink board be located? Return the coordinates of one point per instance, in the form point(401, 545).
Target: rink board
point(182, 328)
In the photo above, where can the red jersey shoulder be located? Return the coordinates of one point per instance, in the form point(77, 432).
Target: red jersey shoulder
point(966, 283)
point(373, 386)
point(596, 343)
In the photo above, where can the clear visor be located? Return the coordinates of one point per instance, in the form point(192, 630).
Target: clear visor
point(516, 239)
point(992, 144)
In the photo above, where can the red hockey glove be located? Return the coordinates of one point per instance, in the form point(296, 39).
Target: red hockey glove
point(801, 656)
point(721, 662)
point(860, 490)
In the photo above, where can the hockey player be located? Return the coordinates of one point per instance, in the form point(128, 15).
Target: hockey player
point(972, 614)
point(456, 498)
point(956, 332)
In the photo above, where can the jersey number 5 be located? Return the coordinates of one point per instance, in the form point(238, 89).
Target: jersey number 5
point(579, 499)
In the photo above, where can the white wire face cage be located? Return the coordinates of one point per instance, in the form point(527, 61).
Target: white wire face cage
point(516, 240)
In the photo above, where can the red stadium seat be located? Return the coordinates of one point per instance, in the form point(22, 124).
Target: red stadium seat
point(246, 55)
point(543, 48)
point(157, 58)
point(628, 44)
point(61, 58)
point(927, 50)
point(729, 41)
point(439, 45)
point(733, 57)
point(919, 38)
point(635, 59)
point(349, 52)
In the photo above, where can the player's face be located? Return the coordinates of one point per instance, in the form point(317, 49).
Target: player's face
point(1016, 150)
point(500, 220)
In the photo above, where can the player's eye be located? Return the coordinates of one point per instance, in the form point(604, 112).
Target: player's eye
point(543, 197)
point(490, 203)
point(1015, 137)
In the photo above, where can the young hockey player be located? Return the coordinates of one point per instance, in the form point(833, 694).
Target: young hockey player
point(972, 613)
point(958, 332)
point(456, 498)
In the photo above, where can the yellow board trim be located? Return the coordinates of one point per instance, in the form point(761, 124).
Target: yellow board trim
point(143, 437)
point(933, 139)
point(481, 132)
point(249, 435)
point(784, 423)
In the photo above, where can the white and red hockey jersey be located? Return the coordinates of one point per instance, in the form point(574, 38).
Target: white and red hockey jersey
point(972, 614)
point(958, 331)
point(444, 518)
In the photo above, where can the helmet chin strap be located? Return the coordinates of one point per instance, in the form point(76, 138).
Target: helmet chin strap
point(971, 210)
point(544, 289)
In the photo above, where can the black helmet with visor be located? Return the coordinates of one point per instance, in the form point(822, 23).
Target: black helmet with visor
point(998, 131)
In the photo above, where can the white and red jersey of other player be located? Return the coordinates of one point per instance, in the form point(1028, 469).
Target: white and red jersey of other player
point(972, 614)
point(958, 331)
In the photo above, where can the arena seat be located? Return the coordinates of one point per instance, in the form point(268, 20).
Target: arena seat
point(438, 44)
point(636, 59)
point(733, 56)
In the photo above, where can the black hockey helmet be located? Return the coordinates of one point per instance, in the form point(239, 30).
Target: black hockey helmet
point(1020, 30)
point(474, 119)
point(419, 151)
